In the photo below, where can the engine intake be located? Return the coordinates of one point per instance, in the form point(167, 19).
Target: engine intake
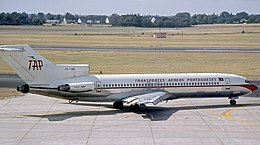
point(77, 87)
point(23, 88)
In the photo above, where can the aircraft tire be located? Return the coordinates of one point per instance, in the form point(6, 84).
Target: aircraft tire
point(135, 108)
point(233, 102)
point(118, 105)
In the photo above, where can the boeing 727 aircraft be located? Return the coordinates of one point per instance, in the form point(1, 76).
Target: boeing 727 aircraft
point(74, 83)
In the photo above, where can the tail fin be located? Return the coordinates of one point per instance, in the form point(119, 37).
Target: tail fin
point(35, 69)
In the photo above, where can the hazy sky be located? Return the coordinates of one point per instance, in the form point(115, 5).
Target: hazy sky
point(108, 7)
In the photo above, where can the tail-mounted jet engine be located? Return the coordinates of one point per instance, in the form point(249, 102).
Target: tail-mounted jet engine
point(77, 87)
point(23, 88)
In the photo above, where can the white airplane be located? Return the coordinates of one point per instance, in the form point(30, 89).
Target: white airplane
point(74, 83)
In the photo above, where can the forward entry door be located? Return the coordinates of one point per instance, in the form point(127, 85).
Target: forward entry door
point(227, 83)
point(98, 86)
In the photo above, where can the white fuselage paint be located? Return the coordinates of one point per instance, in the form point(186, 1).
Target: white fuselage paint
point(179, 85)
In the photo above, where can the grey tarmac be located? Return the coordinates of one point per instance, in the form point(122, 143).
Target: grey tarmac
point(35, 119)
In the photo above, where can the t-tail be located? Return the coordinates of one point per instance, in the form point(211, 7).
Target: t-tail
point(35, 69)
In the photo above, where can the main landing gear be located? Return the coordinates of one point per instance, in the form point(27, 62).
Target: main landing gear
point(118, 105)
point(133, 107)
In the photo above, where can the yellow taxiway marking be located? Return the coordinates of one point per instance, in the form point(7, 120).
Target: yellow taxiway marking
point(227, 115)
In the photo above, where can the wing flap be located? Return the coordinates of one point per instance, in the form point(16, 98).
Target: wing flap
point(153, 98)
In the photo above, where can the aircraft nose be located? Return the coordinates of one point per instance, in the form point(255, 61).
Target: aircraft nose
point(253, 87)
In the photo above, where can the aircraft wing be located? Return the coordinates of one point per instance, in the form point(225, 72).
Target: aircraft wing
point(152, 97)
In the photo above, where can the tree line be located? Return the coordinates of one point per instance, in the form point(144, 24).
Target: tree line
point(183, 19)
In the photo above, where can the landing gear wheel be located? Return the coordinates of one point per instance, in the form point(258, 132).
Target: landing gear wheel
point(70, 101)
point(135, 108)
point(232, 102)
point(118, 105)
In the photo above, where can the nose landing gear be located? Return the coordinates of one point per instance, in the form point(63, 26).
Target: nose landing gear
point(233, 102)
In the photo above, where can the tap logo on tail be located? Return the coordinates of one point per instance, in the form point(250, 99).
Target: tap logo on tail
point(35, 64)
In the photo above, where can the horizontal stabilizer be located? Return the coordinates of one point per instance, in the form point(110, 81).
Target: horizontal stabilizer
point(9, 50)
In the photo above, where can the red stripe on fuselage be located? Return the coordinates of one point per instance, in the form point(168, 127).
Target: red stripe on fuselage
point(251, 87)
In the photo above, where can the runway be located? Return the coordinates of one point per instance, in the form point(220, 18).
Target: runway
point(150, 49)
point(35, 119)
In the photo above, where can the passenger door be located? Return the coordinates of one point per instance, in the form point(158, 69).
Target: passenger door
point(227, 83)
point(98, 86)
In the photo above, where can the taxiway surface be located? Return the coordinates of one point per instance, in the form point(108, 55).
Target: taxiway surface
point(35, 119)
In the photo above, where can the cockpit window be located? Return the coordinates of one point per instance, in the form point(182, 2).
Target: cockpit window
point(247, 81)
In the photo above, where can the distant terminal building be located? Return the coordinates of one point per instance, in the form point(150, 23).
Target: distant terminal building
point(52, 21)
point(159, 35)
point(89, 21)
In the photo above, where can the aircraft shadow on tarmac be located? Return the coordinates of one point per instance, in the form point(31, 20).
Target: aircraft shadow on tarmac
point(153, 113)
